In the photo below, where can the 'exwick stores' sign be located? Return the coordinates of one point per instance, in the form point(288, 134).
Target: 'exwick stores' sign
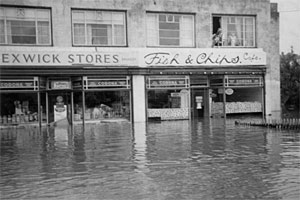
point(137, 57)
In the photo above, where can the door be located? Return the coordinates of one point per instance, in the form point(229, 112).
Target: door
point(59, 107)
point(199, 103)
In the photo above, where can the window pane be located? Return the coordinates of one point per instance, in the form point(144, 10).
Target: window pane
point(186, 31)
point(152, 32)
point(78, 16)
point(172, 42)
point(23, 40)
point(23, 32)
point(169, 34)
point(2, 32)
point(119, 35)
point(164, 25)
point(170, 30)
point(79, 34)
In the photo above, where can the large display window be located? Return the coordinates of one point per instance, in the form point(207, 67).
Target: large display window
point(104, 98)
point(168, 97)
point(244, 94)
point(19, 100)
point(236, 94)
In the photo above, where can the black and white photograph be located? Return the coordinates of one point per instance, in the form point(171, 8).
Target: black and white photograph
point(149, 99)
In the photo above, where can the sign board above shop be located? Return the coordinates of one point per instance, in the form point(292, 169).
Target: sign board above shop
point(28, 84)
point(131, 57)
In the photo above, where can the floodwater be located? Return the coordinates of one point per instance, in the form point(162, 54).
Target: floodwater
point(213, 159)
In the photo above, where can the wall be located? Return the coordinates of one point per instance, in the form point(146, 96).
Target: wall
point(273, 106)
point(267, 26)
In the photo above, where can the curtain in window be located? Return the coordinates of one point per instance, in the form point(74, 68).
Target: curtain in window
point(8, 32)
point(186, 31)
point(224, 24)
point(43, 32)
point(79, 34)
point(119, 38)
point(152, 30)
point(2, 32)
point(238, 30)
point(249, 32)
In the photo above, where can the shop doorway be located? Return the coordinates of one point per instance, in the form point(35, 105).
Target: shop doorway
point(199, 103)
point(60, 107)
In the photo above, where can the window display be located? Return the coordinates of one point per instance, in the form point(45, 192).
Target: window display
point(18, 108)
point(104, 105)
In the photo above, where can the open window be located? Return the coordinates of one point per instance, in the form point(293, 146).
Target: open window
point(233, 31)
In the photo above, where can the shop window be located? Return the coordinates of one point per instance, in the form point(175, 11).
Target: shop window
point(23, 26)
point(18, 108)
point(244, 100)
point(170, 30)
point(233, 31)
point(105, 105)
point(167, 99)
point(168, 104)
point(98, 28)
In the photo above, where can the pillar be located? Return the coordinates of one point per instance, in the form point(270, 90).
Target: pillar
point(138, 98)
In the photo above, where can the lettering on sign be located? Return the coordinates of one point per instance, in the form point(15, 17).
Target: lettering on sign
point(60, 85)
point(137, 57)
point(155, 83)
point(11, 84)
point(107, 83)
point(38, 58)
point(245, 81)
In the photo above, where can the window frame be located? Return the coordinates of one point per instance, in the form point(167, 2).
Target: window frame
point(36, 21)
point(225, 44)
point(181, 15)
point(85, 23)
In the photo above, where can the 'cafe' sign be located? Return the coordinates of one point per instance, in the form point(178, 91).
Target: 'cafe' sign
point(134, 57)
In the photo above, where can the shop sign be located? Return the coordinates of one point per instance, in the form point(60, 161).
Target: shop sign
point(167, 83)
point(107, 83)
point(244, 81)
point(60, 85)
point(229, 91)
point(135, 57)
point(175, 94)
point(204, 57)
point(100, 83)
point(16, 84)
point(19, 84)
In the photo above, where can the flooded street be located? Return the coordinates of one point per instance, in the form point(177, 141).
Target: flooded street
point(185, 159)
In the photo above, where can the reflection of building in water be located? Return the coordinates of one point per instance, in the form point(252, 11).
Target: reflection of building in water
point(137, 61)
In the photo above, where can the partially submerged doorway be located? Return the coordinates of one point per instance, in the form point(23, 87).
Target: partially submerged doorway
point(59, 107)
point(199, 103)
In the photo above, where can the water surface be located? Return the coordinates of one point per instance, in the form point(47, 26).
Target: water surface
point(210, 159)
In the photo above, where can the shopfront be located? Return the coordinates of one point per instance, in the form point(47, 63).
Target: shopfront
point(88, 98)
point(80, 85)
point(168, 97)
point(20, 100)
point(236, 94)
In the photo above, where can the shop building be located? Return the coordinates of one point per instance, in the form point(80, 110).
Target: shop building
point(137, 61)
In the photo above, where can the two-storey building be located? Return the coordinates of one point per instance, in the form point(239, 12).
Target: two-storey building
point(137, 60)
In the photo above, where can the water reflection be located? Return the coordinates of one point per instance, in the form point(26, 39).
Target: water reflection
point(210, 159)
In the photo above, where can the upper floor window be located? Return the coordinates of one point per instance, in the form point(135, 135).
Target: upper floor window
point(99, 28)
point(170, 30)
point(23, 26)
point(234, 31)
